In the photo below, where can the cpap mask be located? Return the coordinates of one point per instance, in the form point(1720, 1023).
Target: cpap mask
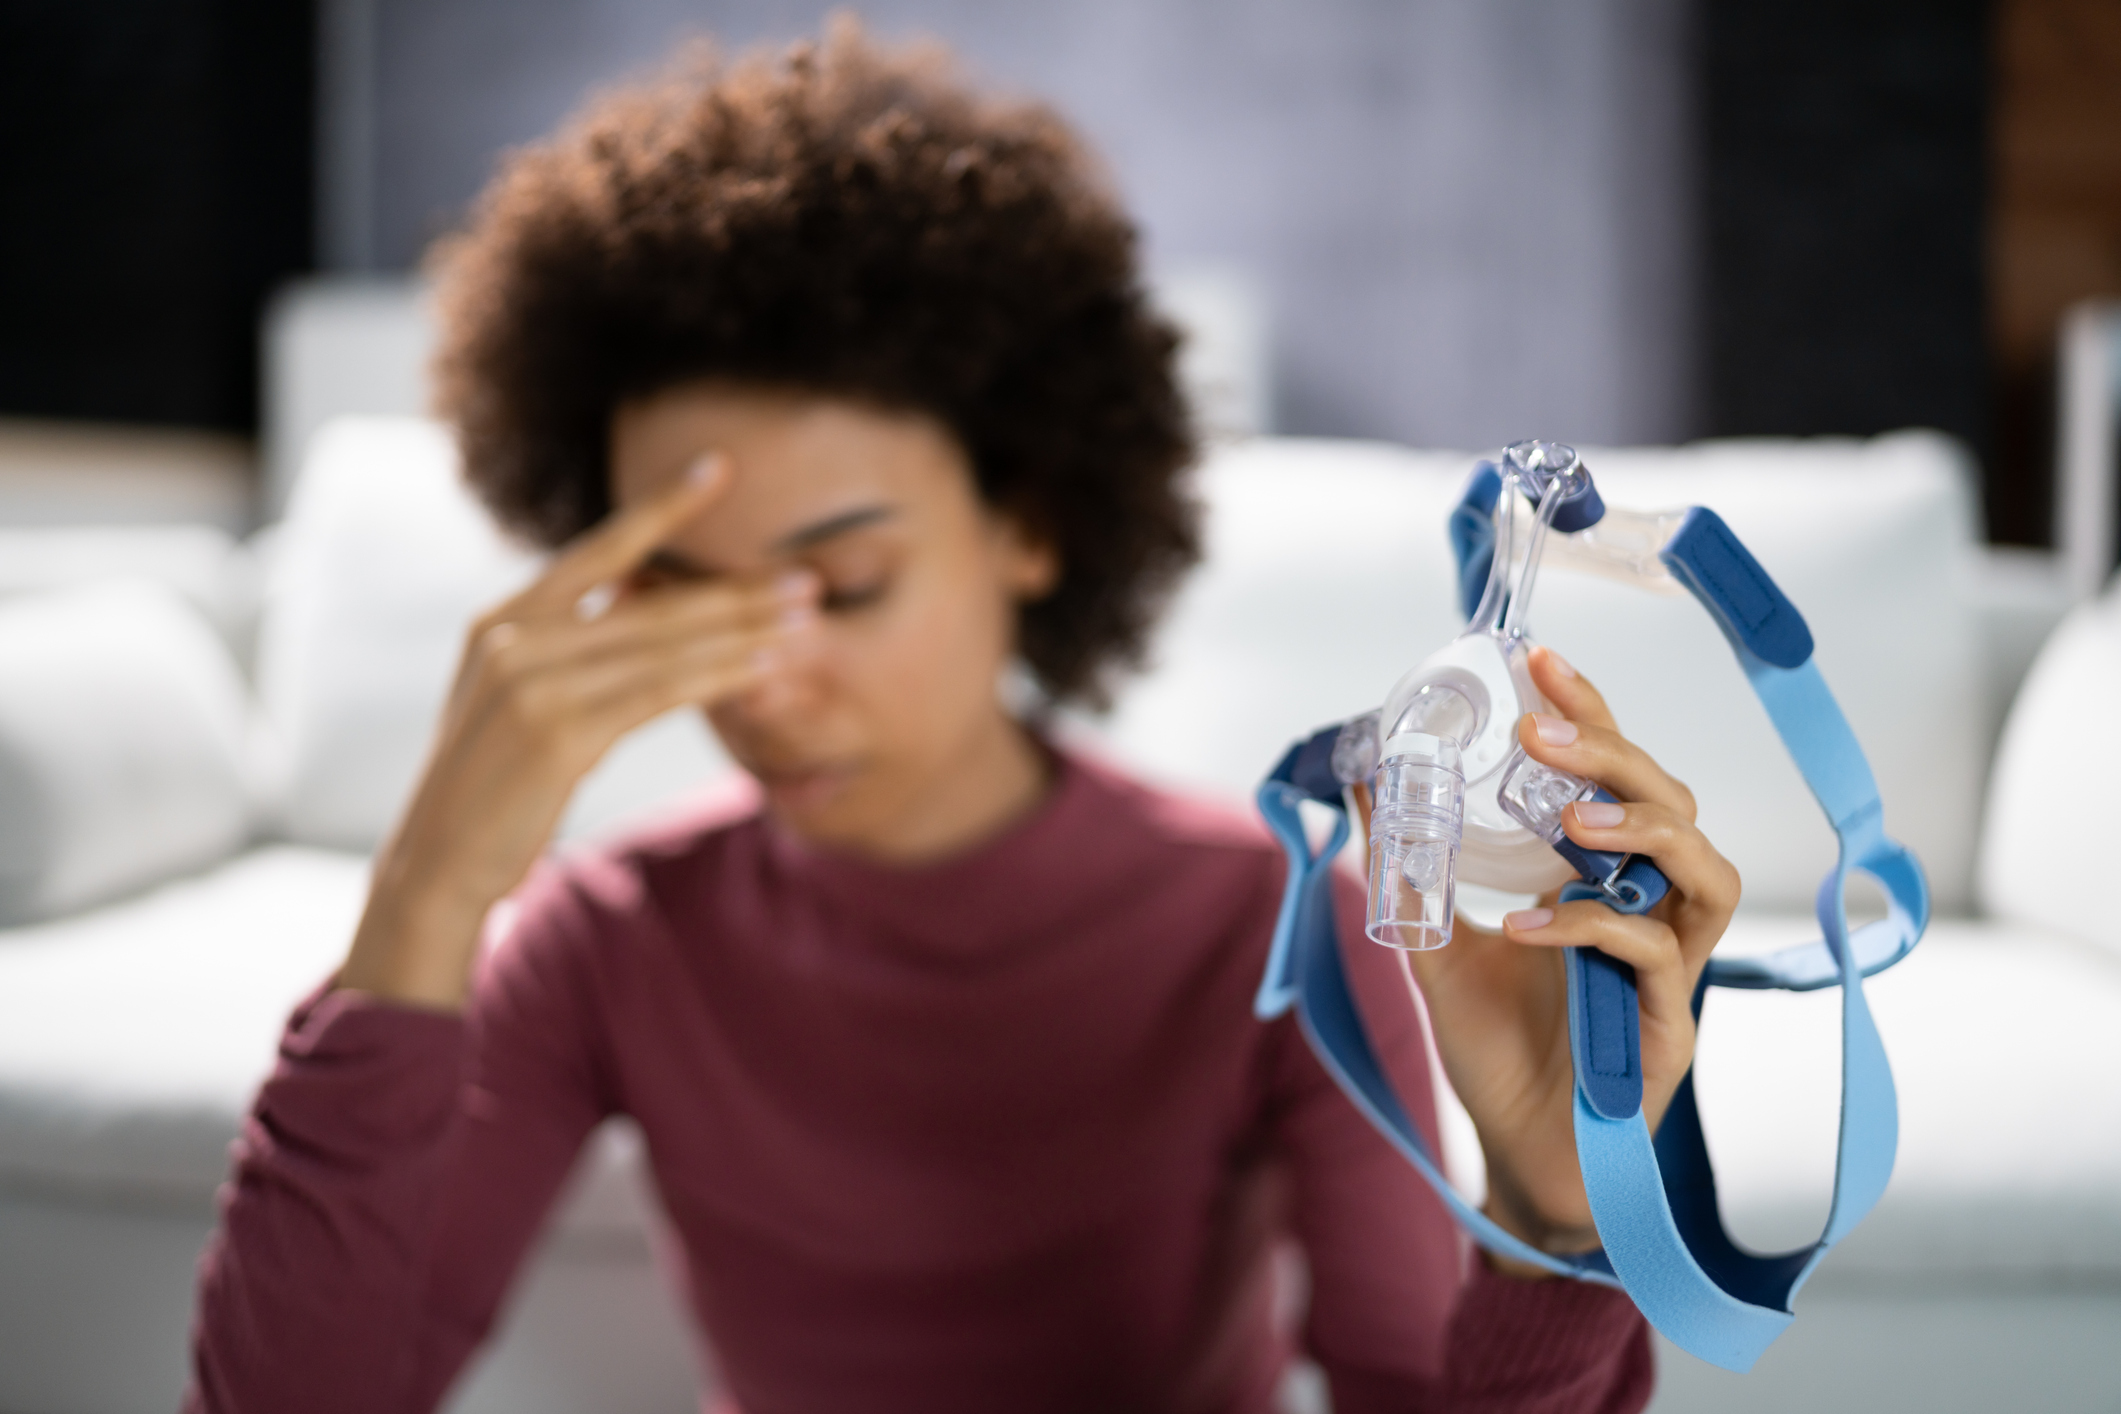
point(1453, 794)
point(1455, 797)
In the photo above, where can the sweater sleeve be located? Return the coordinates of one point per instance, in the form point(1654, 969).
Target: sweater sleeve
point(1403, 1315)
point(392, 1172)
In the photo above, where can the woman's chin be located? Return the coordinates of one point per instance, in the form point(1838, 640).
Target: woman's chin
point(815, 804)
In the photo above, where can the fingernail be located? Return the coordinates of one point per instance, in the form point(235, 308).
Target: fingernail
point(764, 659)
point(1561, 664)
point(798, 616)
point(1599, 814)
point(1554, 731)
point(706, 469)
point(1525, 920)
point(796, 586)
point(596, 603)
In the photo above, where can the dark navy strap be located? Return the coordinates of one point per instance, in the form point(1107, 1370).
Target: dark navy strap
point(1726, 578)
point(1637, 885)
point(1605, 1025)
point(1472, 532)
point(1654, 1202)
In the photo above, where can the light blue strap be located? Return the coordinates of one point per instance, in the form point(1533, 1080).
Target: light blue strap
point(1774, 649)
point(1730, 1316)
point(1656, 1206)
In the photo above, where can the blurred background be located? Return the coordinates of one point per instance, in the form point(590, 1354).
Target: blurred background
point(1620, 221)
point(1849, 273)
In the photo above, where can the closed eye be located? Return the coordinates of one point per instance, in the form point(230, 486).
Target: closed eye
point(840, 600)
point(668, 567)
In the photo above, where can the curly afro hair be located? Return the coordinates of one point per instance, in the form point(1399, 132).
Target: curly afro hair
point(852, 220)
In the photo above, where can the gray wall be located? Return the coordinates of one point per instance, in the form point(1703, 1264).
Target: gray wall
point(1473, 219)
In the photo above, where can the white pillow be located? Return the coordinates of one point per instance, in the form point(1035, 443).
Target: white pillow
point(1328, 575)
point(122, 746)
point(383, 562)
point(2047, 845)
point(201, 562)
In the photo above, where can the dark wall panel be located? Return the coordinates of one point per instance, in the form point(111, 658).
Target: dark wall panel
point(1844, 174)
point(155, 182)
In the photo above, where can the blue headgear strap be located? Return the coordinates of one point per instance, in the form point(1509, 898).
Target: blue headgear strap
point(1654, 1200)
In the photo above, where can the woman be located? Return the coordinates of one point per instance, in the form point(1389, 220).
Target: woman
point(836, 384)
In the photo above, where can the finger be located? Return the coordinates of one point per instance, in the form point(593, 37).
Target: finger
point(747, 655)
point(789, 600)
point(1647, 944)
point(662, 619)
point(1603, 755)
point(702, 682)
point(616, 546)
point(1706, 881)
point(565, 705)
point(1569, 691)
point(581, 719)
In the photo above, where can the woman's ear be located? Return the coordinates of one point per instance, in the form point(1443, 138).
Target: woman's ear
point(1030, 565)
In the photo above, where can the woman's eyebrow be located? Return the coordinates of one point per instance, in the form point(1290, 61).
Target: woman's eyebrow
point(833, 525)
point(671, 562)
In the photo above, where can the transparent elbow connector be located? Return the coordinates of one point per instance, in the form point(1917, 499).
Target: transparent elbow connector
point(1417, 820)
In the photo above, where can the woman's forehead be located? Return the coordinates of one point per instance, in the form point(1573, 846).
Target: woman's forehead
point(804, 466)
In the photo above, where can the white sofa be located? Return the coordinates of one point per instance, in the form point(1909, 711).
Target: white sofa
point(133, 1031)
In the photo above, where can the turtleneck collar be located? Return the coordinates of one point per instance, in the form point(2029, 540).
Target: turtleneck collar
point(1005, 884)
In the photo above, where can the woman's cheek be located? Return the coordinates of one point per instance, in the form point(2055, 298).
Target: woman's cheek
point(958, 635)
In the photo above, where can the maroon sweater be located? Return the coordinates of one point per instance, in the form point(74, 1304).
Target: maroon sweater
point(995, 1133)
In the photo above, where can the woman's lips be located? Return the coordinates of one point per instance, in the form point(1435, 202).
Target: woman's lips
point(805, 789)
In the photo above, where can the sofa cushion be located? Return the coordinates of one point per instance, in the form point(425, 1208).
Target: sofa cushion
point(1328, 575)
point(133, 1037)
point(2050, 822)
point(383, 562)
point(203, 563)
point(2007, 1064)
point(2007, 1059)
point(123, 743)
